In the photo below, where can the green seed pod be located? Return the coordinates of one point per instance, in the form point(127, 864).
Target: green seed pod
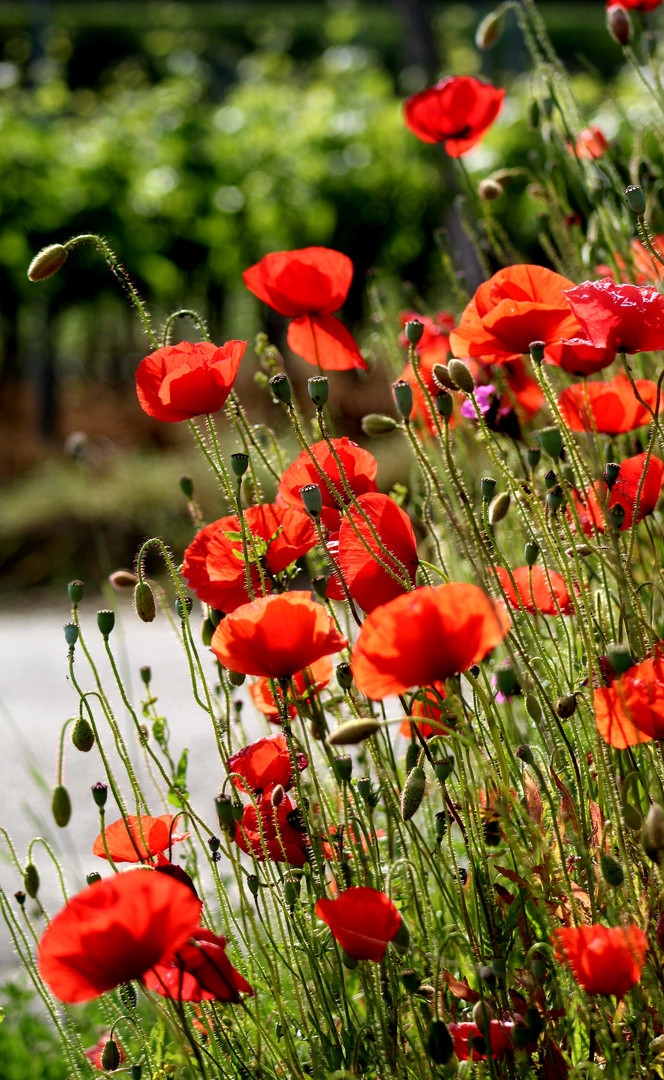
point(441, 824)
point(551, 441)
point(632, 817)
point(412, 755)
point(144, 602)
point(414, 330)
point(312, 500)
point(136, 1072)
point(343, 768)
point(531, 552)
point(352, 732)
point(344, 675)
point(319, 390)
point(533, 708)
point(403, 397)
point(555, 498)
point(375, 424)
point(499, 507)
point(93, 878)
point(31, 880)
point(349, 962)
point(616, 515)
point(183, 609)
point(105, 622)
point(442, 377)
point(99, 794)
point(61, 806)
point(47, 262)
point(71, 634)
point(444, 404)
point(536, 349)
point(110, 1057)
point(364, 787)
point(438, 1042)
point(635, 199)
point(76, 590)
point(253, 884)
point(506, 679)
point(281, 388)
point(224, 807)
point(239, 465)
point(236, 678)
point(533, 455)
point(443, 768)
point(461, 376)
point(612, 871)
point(187, 487)
point(146, 674)
point(292, 890)
point(551, 479)
point(487, 488)
point(413, 792)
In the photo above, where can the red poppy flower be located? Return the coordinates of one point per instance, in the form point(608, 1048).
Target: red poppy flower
point(317, 677)
point(424, 637)
point(199, 971)
point(181, 381)
point(522, 389)
point(624, 492)
point(631, 709)
point(469, 1040)
point(127, 844)
point(94, 1053)
point(264, 764)
point(591, 143)
point(627, 318)
point(283, 841)
point(214, 565)
point(517, 305)
point(359, 466)
point(645, 268)
point(611, 408)
point(114, 932)
point(364, 921)
point(368, 583)
point(276, 636)
point(603, 959)
point(458, 112)
point(428, 714)
point(634, 5)
point(308, 286)
point(578, 357)
point(533, 593)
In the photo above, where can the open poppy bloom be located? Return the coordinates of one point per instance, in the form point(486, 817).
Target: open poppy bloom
point(645, 268)
point(315, 677)
point(307, 286)
point(139, 841)
point(199, 971)
point(634, 5)
point(429, 714)
point(603, 959)
point(471, 1044)
point(264, 764)
point(627, 318)
point(214, 566)
point(276, 636)
point(517, 305)
point(458, 112)
point(359, 466)
point(363, 920)
point(94, 1053)
point(114, 931)
point(369, 584)
point(578, 357)
point(610, 408)
point(624, 492)
point(631, 709)
point(426, 636)
point(530, 589)
point(591, 143)
point(282, 841)
point(181, 381)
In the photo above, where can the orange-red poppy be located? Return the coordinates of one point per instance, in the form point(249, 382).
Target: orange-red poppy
point(426, 636)
point(603, 959)
point(591, 143)
point(429, 715)
point(624, 493)
point(181, 381)
point(578, 357)
point(363, 920)
point(264, 764)
point(114, 931)
point(214, 566)
point(457, 112)
point(315, 677)
point(631, 709)
point(359, 466)
point(274, 834)
point(646, 269)
point(199, 971)
point(610, 408)
point(627, 318)
point(516, 306)
point(471, 1043)
point(140, 841)
point(276, 636)
point(535, 590)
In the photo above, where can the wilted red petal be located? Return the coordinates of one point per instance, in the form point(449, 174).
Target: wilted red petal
point(611, 408)
point(457, 112)
point(200, 971)
point(531, 590)
point(627, 318)
point(126, 845)
point(363, 920)
point(603, 960)
point(368, 583)
point(359, 466)
point(322, 340)
point(181, 381)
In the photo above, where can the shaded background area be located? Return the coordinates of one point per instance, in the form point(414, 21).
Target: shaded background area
point(195, 138)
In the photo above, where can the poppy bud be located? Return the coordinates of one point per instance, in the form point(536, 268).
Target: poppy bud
point(224, 811)
point(524, 753)
point(612, 871)
point(443, 768)
point(499, 507)
point(461, 376)
point(375, 424)
point(344, 675)
point(239, 464)
point(277, 795)
point(566, 706)
point(412, 755)
point(506, 679)
point(414, 330)
point(343, 768)
point(20, 898)
point(403, 397)
point(183, 609)
point(82, 736)
point(444, 404)
point(187, 487)
point(105, 622)
point(281, 388)
point(146, 674)
point(489, 190)
point(536, 349)
point(31, 880)
point(349, 962)
point(441, 377)
point(71, 634)
point(633, 818)
point(438, 1042)
point(291, 890)
point(551, 441)
point(236, 678)
point(531, 552)
point(533, 708)
point(401, 940)
point(652, 834)
point(619, 24)
point(47, 262)
point(99, 794)
point(207, 632)
point(312, 499)
point(144, 602)
point(352, 732)
point(61, 806)
point(93, 878)
point(489, 30)
point(616, 516)
point(620, 657)
point(487, 488)
point(611, 473)
point(413, 792)
point(122, 579)
point(555, 497)
point(533, 114)
point(533, 455)
point(410, 980)
point(482, 1014)
point(110, 1057)
point(76, 590)
point(635, 199)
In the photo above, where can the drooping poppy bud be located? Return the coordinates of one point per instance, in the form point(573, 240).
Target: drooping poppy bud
point(47, 262)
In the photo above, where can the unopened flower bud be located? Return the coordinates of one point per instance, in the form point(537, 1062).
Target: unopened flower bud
point(635, 200)
point(611, 473)
point(414, 330)
point(352, 732)
point(207, 632)
point(620, 657)
point(438, 1042)
point(312, 499)
point(444, 404)
point(403, 397)
point(71, 634)
point(76, 590)
point(612, 871)
point(375, 424)
point(344, 675)
point(498, 507)
point(412, 755)
point(489, 30)
point(531, 552)
point(413, 792)
point(566, 706)
point(292, 887)
point(123, 579)
point(632, 817)
point(99, 794)
point(533, 455)
point(236, 678)
point(183, 609)
point(551, 441)
point(110, 1056)
point(487, 488)
point(82, 736)
point(239, 464)
point(61, 806)
point(105, 622)
point(652, 834)
point(533, 708)
point(489, 190)
point(224, 807)
point(536, 349)
point(482, 1015)
point(277, 795)
point(442, 377)
point(187, 487)
point(524, 753)
point(19, 896)
point(343, 768)
point(281, 388)
point(506, 679)
point(461, 376)
point(146, 674)
point(47, 262)
point(31, 880)
point(144, 602)
point(533, 114)
point(253, 884)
